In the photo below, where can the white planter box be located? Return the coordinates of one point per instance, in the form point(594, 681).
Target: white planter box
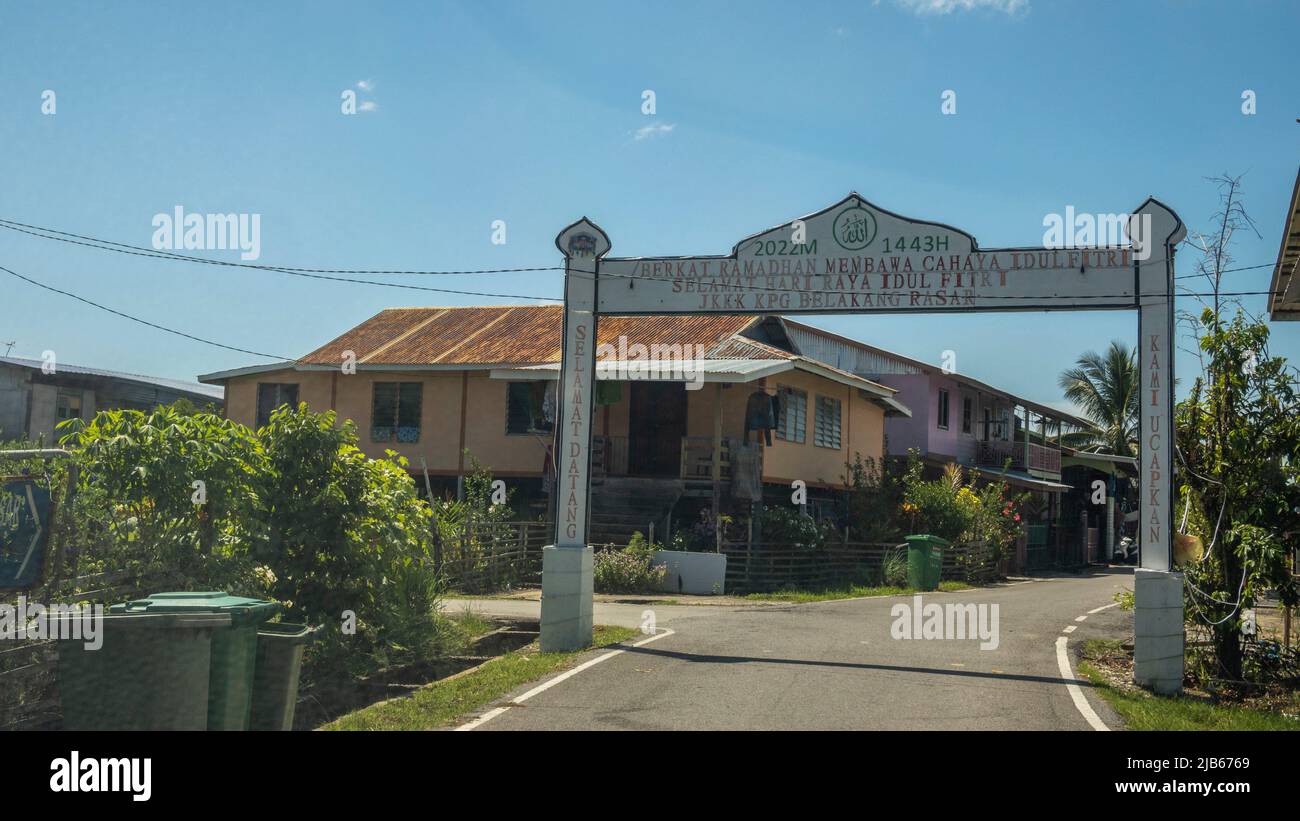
point(695, 573)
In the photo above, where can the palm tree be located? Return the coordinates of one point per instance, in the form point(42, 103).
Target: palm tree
point(1106, 387)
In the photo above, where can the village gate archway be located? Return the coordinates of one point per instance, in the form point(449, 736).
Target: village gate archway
point(851, 258)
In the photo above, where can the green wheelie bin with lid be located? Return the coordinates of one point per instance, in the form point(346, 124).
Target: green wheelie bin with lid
point(138, 671)
point(233, 651)
point(924, 561)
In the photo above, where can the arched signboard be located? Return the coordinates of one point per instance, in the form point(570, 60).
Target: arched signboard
point(855, 257)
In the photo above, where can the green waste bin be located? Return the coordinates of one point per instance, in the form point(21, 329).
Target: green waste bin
point(924, 561)
point(233, 650)
point(141, 672)
point(275, 680)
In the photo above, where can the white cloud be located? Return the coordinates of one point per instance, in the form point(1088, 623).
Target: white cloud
point(646, 132)
point(949, 6)
point(366, 85)
point(368, 105)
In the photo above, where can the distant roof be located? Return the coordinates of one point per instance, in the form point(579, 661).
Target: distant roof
point(1284, 296)
point(505, 335)
point(877, 355)
point(196, 388)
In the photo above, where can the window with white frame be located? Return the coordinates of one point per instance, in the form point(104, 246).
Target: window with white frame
point(943, 410)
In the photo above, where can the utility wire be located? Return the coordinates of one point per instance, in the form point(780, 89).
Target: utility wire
point(133, 250)
point(154, 252)
point(146, 322)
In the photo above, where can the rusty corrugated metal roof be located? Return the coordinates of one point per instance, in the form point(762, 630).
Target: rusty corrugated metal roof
point(515, 335)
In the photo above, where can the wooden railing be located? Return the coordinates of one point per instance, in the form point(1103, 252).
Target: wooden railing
point(995, 453)
point(609, 455)
point(697, 458)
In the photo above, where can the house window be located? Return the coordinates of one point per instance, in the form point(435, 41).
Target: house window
point(1005, 425)
point(793, 424)
point(395, 411)
point(826, 433)
point(68, 406)
point(967, 412)
point(271, 395)
point(526, 410)
point(943, 410)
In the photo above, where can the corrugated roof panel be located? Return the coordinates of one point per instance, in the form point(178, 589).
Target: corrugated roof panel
point(526, 334)
point(370, 335)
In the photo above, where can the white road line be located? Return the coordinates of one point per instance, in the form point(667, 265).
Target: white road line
point(483, 719)
point(1071, 628)
point(543, 687)
point(1096, 610)
point(1081, 618)
point(1080, 701)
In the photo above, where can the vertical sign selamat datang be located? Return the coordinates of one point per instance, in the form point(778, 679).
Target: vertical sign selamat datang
point(581, 243)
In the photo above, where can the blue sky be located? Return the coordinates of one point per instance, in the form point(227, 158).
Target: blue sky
point(531, 113)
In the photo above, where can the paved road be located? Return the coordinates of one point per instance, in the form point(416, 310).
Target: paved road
point(832, 665)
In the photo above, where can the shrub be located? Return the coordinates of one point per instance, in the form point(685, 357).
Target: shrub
point(628, 570)
point(787, 526)
point(893, 571)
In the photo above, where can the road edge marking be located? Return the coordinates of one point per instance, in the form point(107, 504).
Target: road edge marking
point(1097, 610)
point(1076, 694)
point(549, 683)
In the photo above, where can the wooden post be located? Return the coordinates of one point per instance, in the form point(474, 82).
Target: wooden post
point(717, 447)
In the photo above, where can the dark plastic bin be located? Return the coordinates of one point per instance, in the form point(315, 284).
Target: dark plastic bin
point(233, 651)
point(275, 680)
point(151, 672)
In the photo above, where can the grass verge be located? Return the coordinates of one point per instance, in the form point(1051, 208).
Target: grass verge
point(855, 591)
point(1142, 710)
point(443, 703)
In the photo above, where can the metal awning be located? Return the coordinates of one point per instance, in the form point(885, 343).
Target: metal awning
point(712, 370)
point(1284, 292)
point(682, 370)
point(1021, 479)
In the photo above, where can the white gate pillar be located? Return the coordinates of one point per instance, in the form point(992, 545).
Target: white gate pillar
point(1158, 589)
point(567, 564)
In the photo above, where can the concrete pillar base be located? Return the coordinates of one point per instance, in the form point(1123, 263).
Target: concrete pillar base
point(566, 598)
point(1158, 630)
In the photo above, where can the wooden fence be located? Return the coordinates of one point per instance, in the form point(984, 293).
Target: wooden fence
point(488, 558)
point(763, 568)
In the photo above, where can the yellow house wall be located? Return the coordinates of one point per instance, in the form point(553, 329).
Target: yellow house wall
point(862, 422)
point(862, 425)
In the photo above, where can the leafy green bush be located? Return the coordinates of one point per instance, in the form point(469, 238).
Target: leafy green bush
point(294, 512)
point(787, 526)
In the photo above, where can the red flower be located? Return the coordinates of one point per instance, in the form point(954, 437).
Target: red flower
point(1017, 517)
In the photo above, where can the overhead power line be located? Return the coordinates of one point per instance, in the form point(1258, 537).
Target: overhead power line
point(145, 322)
point(24, 228)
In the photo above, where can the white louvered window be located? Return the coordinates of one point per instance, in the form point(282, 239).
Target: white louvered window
point(826, 430)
